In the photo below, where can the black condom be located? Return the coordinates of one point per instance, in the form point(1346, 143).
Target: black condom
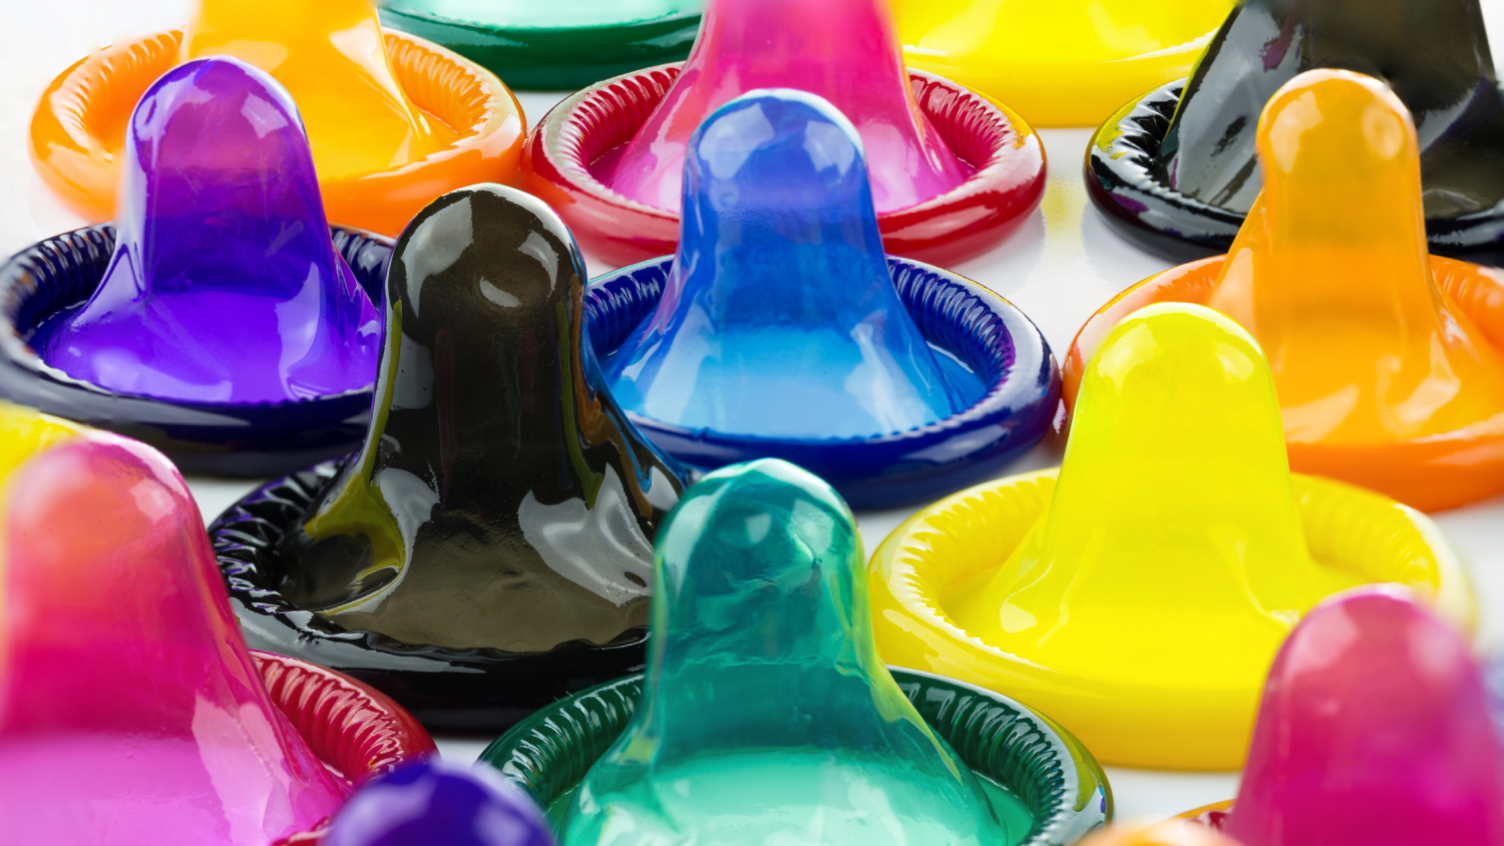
point(502, 504)
point(1184, 185)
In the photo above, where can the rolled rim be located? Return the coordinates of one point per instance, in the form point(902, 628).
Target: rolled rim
point(1059, 780)
point(983, 330)
point(553, 57)
point(1346, 528)
point(74, 157)
point(251, 439)
point(963, 222)
point(1127, 181)
point(469, 690)
point(1431, 472)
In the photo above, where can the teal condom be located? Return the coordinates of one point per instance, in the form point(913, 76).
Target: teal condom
point(766, 715)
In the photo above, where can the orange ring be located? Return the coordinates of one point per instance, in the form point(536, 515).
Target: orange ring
point(1431, 473)
point(78, 131)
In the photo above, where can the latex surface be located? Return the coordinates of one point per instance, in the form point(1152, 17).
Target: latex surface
point(331, 58)
point(1063, 63)
point(1434, 53)
point(845, 51)
point(1330, 272)
point(224, 285)
point(1145, 622)
point(1104, 588)
point(759, 607)
point(1167, 833)
point(130, 707)
point(523, 14)
point(502, 500)
point(431, 802)
point(1374, 729)
point(780, 318)
point(554, 46)
point(1387, 360)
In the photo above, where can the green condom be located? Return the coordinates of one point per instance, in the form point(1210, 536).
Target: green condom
point(766, 715)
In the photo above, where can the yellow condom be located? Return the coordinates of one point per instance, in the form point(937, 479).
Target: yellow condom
point(1063, 62)
point(24, 431)
point(330, 56)
point(1139, 599)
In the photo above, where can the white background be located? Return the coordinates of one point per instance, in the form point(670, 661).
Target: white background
point(1059, 267)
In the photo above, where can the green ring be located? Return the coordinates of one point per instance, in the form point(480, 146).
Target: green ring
point(1063, 786)
point(553, 58)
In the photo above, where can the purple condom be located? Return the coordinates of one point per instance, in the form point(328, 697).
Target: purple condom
point(224, 286)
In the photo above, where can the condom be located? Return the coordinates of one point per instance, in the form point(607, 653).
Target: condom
point(1177, 169)
point(130, 707)
point(759, 600)
point(224, 285)
point(1387, 361)
point(952, 172)
point(431, 801)
point(1145, 623)
point(780, 329)
point(1067, 63)
point(491, 544)
point(393, 120)
point(1167, 833)
point(1374, 729)
point(553, 46)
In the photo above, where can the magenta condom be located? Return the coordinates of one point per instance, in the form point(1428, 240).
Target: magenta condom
point(846, 51)
point(224, 285)
point(1374, 731)
point(131, 711)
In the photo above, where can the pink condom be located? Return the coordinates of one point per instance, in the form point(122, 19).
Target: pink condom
point(846, 51)
point(130, 709)
point(1374, 731)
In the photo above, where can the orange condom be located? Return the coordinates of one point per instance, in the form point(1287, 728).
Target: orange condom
point(393, 120)
point(1388, 362)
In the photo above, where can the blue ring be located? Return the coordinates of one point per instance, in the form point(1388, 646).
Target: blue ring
point(233, 439)
point(985, 331)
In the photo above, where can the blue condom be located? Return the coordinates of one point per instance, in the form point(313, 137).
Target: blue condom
point(432, 803)
point(781, 329)
point(780, 318)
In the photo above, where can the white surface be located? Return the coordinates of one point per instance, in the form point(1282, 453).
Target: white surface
point(1059, 268)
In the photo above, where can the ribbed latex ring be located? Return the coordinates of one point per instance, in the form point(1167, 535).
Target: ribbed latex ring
point(356, 731)
point(1432, 473)
point(1056, 777)
point(961, 223)
point(974, 531)
point(554, 58)
point(1127, 180)
point(470, 690)
point(983, 330)
point(234, 439)
point(72, 154)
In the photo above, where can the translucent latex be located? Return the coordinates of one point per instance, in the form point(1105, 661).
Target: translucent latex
point(1058, 63)
point(433, 803)
point(130, 710)
point(766, 715)
point(1185, 588)
point(1331, 273)
point(1374, 731)
point(520, 14)
point(1167, 833)
point(1434, 53)
point(780, 318)
point(330, 56)
point(502, 500)
point(845, 51)
point(224, 285)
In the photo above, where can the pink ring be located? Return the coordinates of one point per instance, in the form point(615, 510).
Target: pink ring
point(582, 131)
